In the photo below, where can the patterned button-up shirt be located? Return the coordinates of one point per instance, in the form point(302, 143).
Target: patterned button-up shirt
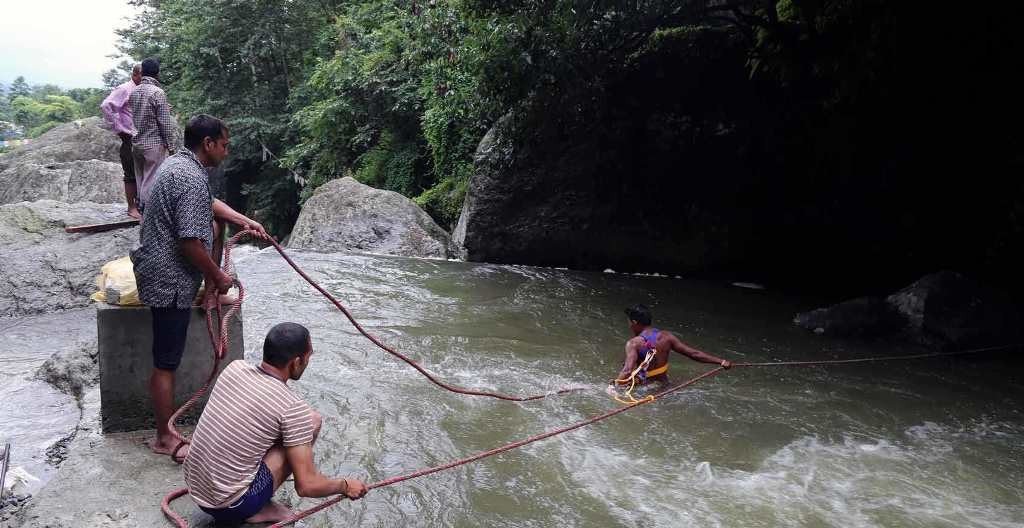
point(151, 114)
point(116, 110)
point(180, 206)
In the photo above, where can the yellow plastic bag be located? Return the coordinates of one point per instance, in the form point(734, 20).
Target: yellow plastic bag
point(116, 284)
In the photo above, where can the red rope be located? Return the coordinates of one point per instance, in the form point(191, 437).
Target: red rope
point(220, 345)
point(497, 450)
point(220, 350)
point(401, 356)
point(872, 359)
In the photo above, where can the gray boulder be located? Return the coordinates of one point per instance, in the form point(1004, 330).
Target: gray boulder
point(69, 181)
point(46, 269)
point(948, 309)
point(864, 316)
point(345, 215)
point(83, 139)
point(944, 310)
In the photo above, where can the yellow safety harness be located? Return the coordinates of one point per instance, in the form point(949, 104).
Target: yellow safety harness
point(635, 375)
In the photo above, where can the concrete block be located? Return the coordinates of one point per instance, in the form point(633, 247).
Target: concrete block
point(125, 340)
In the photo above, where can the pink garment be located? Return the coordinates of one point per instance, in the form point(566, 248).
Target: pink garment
point(116, 110)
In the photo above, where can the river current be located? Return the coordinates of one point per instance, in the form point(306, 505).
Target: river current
point(929, 443)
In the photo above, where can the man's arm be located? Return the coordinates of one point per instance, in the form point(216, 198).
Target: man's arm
point(112, 105)
point(195, 252)
point(223, 211)
point(632, 353)
point(697, 354)
point(309, 482)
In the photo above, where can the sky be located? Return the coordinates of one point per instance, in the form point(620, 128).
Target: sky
point(62, 42)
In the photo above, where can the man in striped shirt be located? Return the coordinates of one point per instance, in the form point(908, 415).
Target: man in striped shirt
point(255, 432)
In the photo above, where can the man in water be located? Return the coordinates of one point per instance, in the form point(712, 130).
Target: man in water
point(647, 353)
point(118, 113)
point(180, 247)
point(255, 432)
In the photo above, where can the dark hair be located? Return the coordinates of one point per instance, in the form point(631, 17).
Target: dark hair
point(200, 127)
point(639, 313)
point(150, 68)
point(285, 341)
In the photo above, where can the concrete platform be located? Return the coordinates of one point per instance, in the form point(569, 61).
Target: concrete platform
point(125, 341)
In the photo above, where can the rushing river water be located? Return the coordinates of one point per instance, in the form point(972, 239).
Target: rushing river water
point(930, 443)
point(922, 443)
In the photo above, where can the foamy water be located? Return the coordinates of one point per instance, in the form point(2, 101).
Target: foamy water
point(928, 443)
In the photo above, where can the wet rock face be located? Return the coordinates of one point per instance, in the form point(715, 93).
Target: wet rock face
point(46, 269)
point(944, 310)
point(345, 215)
point(70, 181)
point(552, 202)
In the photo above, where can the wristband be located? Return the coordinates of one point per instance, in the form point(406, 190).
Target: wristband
point(345, 480)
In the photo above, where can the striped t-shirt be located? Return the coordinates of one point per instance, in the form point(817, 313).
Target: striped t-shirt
point(248, 412)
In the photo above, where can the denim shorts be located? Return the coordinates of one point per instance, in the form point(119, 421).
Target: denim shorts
point(258, 495)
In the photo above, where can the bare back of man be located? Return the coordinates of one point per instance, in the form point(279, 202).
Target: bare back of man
point(664, 342)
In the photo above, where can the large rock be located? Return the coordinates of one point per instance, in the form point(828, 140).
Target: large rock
point(864, 316)
point(949, 309)
point(77, 161)
point(944, 310)
point(575, 202)
point(70, 181)
point(345, 215)
point(46, 269)
point(83, 139)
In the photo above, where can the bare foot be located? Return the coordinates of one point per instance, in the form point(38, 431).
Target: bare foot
point(134, 213)
point(182, 453)
point(162, 445)
point(227, 298)
point(272, 513)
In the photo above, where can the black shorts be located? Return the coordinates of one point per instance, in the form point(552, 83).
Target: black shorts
point(170, 328)
point(127, 162)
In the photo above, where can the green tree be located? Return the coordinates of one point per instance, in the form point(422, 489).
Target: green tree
point(40, 115)
point(239, 60)
point(19, 88)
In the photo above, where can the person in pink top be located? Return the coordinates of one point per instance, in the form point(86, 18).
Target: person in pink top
point(118, 114)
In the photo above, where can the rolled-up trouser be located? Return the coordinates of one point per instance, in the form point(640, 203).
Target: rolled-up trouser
point(127, 161)
point(147, 161)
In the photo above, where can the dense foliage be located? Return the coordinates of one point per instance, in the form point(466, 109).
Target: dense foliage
point(781, 121)
point(28, 111)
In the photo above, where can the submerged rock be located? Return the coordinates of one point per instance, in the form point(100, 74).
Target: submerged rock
point(345, 215)
point(46, 269)
point(943, 310)
point(864, 316)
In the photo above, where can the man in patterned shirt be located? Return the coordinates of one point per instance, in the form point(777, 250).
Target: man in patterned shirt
point(177, 238)
point(118, 114)
point(255, 432)
point(156, 135)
